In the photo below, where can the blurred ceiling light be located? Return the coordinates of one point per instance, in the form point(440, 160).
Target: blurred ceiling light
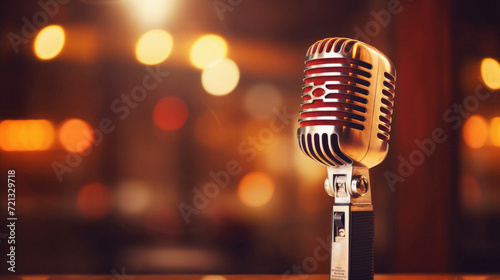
point(475, 132)
point(152, 13)
point(133, 197)
point(261, 99)
point(26, 135)
point(222, 78)
point(94, 201)
point(170, 113)
point(49, 42)
point(76, 135)
point(154, 47)
point(256, 189)
point(207, 51)
point(490, 72)
point(495, 131)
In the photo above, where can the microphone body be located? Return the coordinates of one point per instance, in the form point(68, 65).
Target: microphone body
point(345, 120)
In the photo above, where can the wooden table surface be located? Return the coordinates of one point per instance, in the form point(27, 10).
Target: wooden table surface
point(247, 277)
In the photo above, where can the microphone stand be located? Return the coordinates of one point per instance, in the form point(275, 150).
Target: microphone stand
point(353, 223)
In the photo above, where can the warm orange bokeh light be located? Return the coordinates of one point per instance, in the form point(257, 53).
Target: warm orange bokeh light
point(94, 201)
point(490, 72)
point(222, 78)
point(154, 47)
point(495, 131)
point(49, 42)
point(76, 135)
point(208, 50)
point(170, 113)
point(475, 132)
point(256, 189)
point(26, 135)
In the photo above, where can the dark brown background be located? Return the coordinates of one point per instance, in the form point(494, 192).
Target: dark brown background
point(421, 226)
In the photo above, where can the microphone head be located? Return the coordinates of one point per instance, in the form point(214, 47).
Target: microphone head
point(347, 102)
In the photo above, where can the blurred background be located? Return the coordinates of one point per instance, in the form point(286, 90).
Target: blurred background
point(158, 136)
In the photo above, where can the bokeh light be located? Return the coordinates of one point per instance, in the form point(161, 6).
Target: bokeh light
point(133, 197)
point(495, 131)
point(49, 42)
point(222, 78)
point(255, 189)
point(261, 99)
point(207, 51)
point(475, 132)
point(154, 47)
point(26, 135)
point(470, 192)
point(490, 72)
point(94, 201)
point(170, 113)
point(152, 12)
point(76, 135)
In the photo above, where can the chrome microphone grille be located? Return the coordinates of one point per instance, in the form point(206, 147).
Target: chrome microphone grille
point(387, 101)
point(335, 89)
point(324, 148)
point(347, 99)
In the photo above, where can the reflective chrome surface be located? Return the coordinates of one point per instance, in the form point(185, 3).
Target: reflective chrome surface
point(348, 94)
point(345, 120)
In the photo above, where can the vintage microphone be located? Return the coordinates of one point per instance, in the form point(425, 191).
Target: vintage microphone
point(345, 121)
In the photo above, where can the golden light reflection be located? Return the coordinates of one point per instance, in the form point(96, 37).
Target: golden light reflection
point(49, 42)
point(94, 201)
point(490, 72)
point(256, 189)
point(26, 135)
point(170, 113)
point(495, 131)
point(222, 78)
point(207, 51)
point(76, 135)
point(475, 132)
point(154, 47)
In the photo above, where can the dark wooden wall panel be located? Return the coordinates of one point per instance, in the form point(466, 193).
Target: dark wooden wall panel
point(423, 203)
